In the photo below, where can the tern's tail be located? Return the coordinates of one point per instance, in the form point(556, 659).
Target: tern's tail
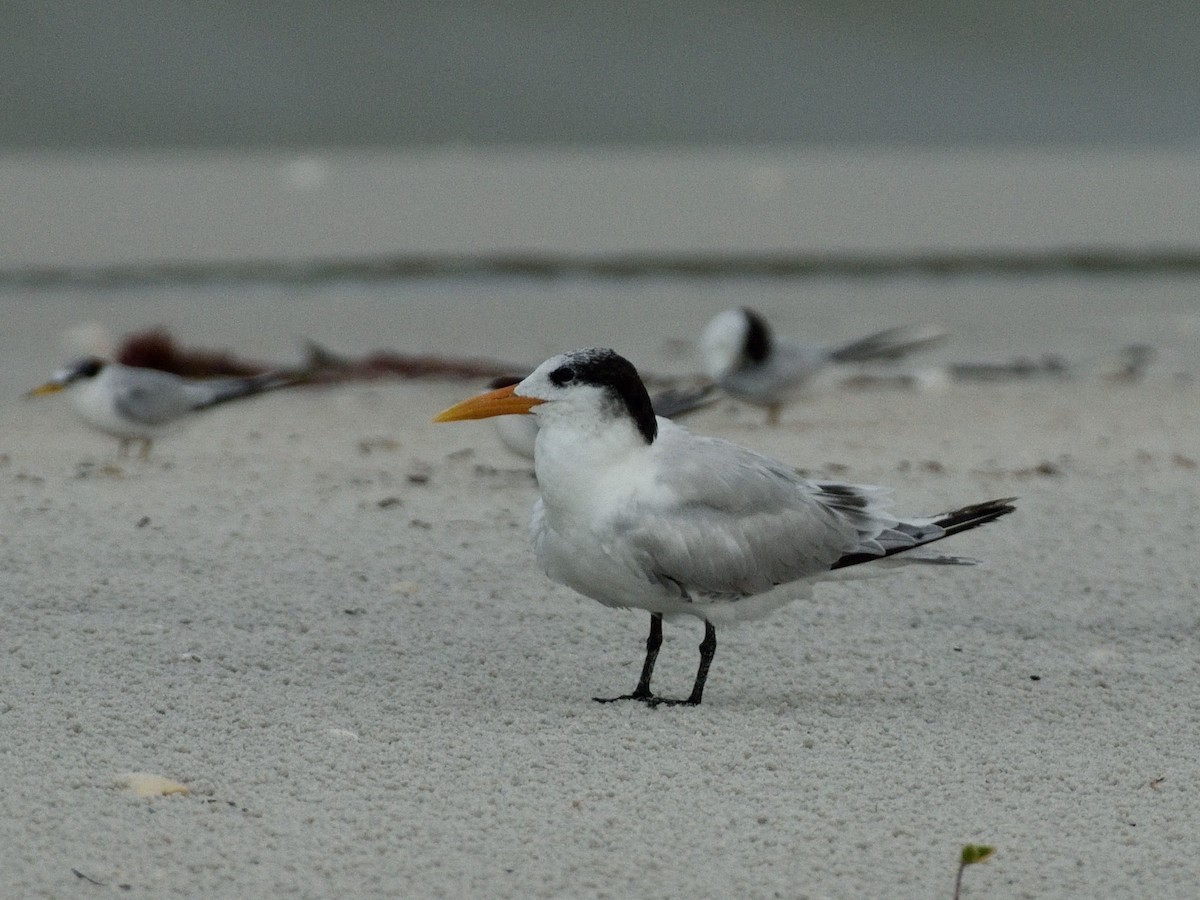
point(888, 345)
point(927, 531)
point(222, 390)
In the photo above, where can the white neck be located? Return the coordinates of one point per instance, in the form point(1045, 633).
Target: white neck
point(574, 460)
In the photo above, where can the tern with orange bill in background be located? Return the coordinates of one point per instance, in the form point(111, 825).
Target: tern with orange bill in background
point(132, 403)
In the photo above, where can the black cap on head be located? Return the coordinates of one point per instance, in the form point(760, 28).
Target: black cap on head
point(758, 336)
point(88, 367)
point(609, 370)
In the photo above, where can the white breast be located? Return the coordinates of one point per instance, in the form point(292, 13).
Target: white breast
point(95, 401)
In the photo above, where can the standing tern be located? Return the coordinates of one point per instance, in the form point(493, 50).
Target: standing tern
point(136, 404)
point(637, 512)
point(739, 352)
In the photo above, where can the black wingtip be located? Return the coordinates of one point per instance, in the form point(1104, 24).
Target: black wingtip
point(951, 523)
point(237, 388)
point(975, 515)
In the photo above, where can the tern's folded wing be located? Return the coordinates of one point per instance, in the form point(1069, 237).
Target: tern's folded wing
point(149, 397)
point(730, 522)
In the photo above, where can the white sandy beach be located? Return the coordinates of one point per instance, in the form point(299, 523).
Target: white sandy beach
point(320, 612)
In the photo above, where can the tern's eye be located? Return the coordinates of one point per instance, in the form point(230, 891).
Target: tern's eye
point(562, 375)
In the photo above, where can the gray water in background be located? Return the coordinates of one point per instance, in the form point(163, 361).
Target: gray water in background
point(305, 73)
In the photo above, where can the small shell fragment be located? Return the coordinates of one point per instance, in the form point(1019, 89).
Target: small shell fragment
point(144, 784)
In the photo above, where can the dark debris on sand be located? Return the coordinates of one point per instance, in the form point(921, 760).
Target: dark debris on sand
point(156, 348)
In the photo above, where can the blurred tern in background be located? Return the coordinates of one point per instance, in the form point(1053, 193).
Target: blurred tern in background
point(636, 512)
point(137, 404)
point(739, 352)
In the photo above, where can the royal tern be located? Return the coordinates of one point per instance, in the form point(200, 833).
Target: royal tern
point(739, 352)
point(518, 433)
point(136, 404)
point(635, 511)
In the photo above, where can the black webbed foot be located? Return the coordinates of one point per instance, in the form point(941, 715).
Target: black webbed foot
point(666, 701)
point(650, 700)
point(644, 697)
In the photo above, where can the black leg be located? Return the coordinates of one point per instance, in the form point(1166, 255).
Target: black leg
point(708, 648)
point(653, 642)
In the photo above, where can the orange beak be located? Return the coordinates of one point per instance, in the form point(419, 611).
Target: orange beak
point(50, 387)
point(494, 403)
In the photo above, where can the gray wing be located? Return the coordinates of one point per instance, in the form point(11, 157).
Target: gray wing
point(891, 344)
point(790, 361)
point(786, 368)
point(150, 397)
point(733, 523)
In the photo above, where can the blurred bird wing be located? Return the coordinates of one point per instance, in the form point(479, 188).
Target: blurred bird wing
point(150, 397)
